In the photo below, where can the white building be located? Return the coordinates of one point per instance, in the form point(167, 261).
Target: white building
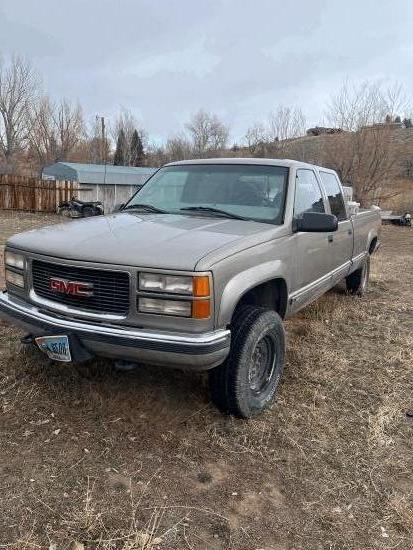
point(98, 182)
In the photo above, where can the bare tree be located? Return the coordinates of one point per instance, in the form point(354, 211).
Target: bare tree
point(256, 137)
point(366, 159)
point(69, 125)
point(369, 103)
point(41, 132)
point(18, 89)
point(273, 137)
point(95, 150)
point(97, 146)
point(207, 132)
point(396, 99)
point(156, 155)
point(178, 148)
point(286, 123)
point(365, 154)
point(54, 130)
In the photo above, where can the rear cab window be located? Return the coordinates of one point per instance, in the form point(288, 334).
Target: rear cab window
point(334, 195)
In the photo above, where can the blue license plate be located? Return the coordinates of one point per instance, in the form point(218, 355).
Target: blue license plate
point(56, 347)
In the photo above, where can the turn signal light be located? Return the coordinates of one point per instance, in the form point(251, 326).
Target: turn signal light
point(201, 286)
point(201, 309)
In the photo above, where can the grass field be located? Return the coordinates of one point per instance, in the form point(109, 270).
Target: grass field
point(142, 460)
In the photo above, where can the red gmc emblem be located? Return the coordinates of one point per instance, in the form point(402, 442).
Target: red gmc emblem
point(73, 288)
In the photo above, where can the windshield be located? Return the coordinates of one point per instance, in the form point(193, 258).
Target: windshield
point(245, 190)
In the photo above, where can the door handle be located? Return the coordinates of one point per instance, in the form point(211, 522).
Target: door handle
point(330, 238)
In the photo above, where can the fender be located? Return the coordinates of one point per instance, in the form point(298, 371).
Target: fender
point(358, 260)
point(241, 283)
point(372, 235)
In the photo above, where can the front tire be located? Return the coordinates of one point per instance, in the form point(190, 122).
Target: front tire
point(247, 381)
point(65, 211)
point(357, 281)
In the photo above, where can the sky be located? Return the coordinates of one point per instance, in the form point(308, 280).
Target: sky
point(163, 60)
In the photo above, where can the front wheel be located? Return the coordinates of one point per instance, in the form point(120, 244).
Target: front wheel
point(247, 381)
point(65, 211)
point(357, 281)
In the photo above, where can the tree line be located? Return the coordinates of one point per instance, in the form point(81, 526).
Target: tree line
point(359, 121)
point(36, 130)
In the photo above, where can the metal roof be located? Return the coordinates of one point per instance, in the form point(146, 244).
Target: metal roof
point(98, 173)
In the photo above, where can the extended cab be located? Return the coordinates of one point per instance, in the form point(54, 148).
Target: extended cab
point(196, 271)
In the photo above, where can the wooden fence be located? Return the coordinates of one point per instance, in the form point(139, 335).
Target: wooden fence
point(32, 194)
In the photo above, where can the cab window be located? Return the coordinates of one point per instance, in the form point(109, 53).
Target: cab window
point(308, 197)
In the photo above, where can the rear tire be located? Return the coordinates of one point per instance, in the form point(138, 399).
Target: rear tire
point(357, 281)
point(247, 381)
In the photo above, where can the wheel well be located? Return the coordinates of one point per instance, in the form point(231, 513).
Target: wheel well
point(372, 245)
point(271, 294)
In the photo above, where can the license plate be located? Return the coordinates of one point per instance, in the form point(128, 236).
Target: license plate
point(56, 347)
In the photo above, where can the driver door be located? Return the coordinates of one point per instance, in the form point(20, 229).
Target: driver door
point(311, 249)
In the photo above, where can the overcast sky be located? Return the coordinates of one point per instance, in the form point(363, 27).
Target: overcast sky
point(164, 60)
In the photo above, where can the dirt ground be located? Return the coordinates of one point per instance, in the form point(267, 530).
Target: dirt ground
point(141, 459)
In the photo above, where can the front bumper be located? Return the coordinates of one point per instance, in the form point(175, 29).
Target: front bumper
point(181, 350)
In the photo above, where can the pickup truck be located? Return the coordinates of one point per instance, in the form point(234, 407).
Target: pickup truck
point(196, 271)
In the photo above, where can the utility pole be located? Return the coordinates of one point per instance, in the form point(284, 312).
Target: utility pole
point(103, 148)
point(102, 139)
point(102, 122)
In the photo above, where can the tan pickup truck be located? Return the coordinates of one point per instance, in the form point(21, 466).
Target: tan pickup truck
point(196, 271)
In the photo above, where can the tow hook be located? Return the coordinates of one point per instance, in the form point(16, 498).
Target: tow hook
point(27, 339)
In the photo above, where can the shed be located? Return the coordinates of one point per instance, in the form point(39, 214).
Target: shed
point(99, 182)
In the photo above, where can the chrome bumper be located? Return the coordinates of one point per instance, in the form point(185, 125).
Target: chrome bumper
point(192, 351)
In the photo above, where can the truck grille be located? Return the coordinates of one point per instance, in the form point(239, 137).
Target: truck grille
point(110, 288)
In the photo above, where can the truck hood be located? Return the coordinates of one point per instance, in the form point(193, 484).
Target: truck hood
point(143, 240)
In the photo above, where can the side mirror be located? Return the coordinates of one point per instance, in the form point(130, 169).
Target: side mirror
point(118, 207)
point(316, 222)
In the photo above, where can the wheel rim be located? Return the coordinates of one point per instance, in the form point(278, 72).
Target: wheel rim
point(263, 363)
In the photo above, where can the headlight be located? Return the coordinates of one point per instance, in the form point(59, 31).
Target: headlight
point(174, 284)
point(14, 260)
point(155, 282)
point(195, 292)
point(14, 278)
point(165, 307)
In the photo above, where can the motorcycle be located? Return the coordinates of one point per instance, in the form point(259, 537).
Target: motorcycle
point(75, 208)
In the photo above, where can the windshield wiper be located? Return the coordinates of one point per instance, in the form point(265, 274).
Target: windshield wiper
point(214, 211)
point(147, 207)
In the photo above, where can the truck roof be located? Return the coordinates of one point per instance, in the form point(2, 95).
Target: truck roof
point(250, 160)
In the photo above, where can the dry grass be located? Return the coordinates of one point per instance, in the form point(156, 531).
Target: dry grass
point(401, 196)
point(142, 460)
